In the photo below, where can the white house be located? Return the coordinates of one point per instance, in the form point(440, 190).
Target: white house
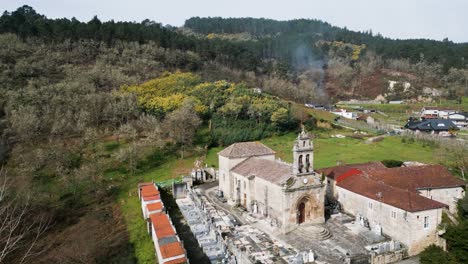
point(459, 119)
point(445, 113)
point(429, 112)
point(432, 112)
point(344, 113)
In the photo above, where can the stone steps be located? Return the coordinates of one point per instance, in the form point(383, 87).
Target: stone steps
point(314, 232)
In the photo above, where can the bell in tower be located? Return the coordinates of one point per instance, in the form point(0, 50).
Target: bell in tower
point(303, 154)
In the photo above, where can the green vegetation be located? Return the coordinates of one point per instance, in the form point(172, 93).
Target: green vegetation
point(329, 151)
point(436, 255)
point(392, 163)
point(457, 240)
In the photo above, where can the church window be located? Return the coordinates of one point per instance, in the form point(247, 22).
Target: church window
point(300, 164)
point(303, 143)
point(370, 205)
point(426, 222)
point(307, 163)
point(393, 214)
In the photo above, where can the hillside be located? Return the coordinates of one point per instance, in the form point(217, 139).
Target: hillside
point(355, 64)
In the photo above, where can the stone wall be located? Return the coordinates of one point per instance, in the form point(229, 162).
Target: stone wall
point(226, 181)
point(406, 227)
point(314, 198)
point(448, 196)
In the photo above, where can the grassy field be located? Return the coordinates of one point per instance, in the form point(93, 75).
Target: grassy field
point(328, 151)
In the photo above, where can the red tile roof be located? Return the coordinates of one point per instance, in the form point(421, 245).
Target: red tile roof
point(334, 172)
point(144, 184)
point(165, 238)
point(154, 206)
point(407, 200)
point(161, 225)
point(149, 190)
point(347, 174)
point(171, 250)
point(417, 177)
point(152, 198)
point(177, 261)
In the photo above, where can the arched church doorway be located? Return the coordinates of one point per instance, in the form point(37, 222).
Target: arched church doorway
point(301, 213)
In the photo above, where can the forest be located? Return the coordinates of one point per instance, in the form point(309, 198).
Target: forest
point(85, 101)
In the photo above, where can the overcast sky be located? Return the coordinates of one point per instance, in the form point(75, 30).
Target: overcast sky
point(434, 19)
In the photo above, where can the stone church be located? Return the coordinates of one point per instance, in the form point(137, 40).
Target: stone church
point(288, 195)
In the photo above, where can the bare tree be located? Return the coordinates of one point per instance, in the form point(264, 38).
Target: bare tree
point(19, 231)
point(453, 154)
point(182, 124)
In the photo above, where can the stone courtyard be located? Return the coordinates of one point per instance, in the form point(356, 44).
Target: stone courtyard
point(340, 240)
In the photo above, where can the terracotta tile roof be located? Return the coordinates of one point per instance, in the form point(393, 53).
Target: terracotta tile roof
point(272, 171)
point(246, 149)
point(407, 200)
point(149, 190)
point(347, 174)
point(172, 250)
point(177, 261)
point(417, 177)
point(161, 225)
point(154, 206)
point(144, 184)
point(152, 198)
point(333, 172)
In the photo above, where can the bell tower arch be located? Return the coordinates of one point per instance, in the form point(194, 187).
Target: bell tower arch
point(303, 154)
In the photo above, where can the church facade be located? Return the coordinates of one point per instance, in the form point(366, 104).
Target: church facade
point(288, 195)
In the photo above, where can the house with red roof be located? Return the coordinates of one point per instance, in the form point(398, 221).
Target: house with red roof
point(405, 203)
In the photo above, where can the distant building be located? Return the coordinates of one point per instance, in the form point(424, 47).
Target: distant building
point(318, 107)
point(433, 112)
point(459, 119)
point(396, 102)
point(442, 127)
point(366, 118)
point(344, 113)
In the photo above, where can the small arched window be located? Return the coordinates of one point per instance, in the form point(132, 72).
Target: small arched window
point(300, 165)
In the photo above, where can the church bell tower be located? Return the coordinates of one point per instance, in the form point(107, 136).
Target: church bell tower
point(303, 155)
